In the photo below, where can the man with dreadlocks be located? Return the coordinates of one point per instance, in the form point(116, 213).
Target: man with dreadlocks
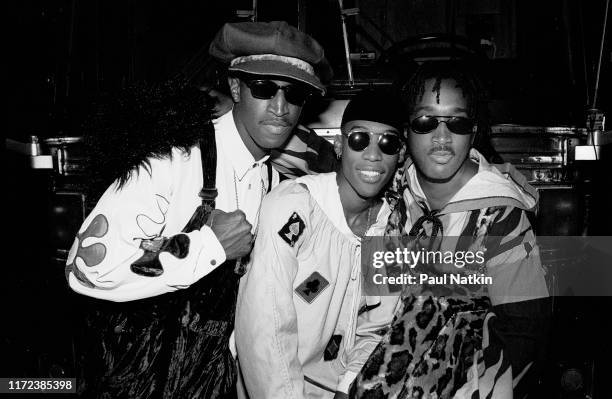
point(163, 248)
point(461, 341)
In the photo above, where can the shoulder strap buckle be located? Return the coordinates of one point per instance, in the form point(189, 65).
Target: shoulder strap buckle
point(208, 194)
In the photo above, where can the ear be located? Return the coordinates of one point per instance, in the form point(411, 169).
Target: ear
point(473, 139)
point(234, 84)
point(338, 145)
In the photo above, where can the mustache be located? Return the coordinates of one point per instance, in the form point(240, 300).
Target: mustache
point(441, 148)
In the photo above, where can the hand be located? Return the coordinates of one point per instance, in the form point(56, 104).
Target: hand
point(233, 232)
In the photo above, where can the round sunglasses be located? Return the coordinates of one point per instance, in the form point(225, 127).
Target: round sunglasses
point(388, 143)
point(456, 124)
point(267, 89)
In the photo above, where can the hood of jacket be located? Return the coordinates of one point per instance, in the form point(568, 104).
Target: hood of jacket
point(492, 185)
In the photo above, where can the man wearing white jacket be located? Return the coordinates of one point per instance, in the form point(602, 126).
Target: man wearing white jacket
point(303, 326)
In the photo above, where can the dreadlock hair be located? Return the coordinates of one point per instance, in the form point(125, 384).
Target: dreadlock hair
point(143, 122)
point(472, 88)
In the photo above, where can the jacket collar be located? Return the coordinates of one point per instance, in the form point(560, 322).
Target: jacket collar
point(231, 144)
point(493, 185)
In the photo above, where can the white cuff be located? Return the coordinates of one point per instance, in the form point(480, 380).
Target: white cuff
point(205, 254)
point(346, 381)
point(178, 272)
point(212, 254)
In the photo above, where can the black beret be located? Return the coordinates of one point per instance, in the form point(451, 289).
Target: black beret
point(272, 49)
point(381, 107)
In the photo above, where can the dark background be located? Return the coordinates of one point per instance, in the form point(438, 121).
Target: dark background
point(539, 60)
point(64, 54)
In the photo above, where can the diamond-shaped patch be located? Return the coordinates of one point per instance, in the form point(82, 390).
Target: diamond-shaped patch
point(292, 230)
point(312, 287)
point(333, 346)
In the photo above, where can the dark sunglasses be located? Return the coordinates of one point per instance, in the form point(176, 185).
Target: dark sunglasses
point(267, 89)
point(456, 124)
point(388, 143)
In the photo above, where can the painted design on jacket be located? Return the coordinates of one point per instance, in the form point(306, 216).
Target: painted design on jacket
point(292, 230)
point(92, 255)
point(152, 243)
point(312, 287)
point(150, 225)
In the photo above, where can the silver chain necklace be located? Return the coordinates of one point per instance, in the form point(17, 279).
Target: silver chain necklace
point(240, 267)
point(263, 192)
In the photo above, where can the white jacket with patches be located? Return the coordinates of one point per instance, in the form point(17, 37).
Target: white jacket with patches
point(284, 324)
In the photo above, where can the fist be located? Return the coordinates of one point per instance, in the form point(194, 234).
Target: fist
point(233, 232)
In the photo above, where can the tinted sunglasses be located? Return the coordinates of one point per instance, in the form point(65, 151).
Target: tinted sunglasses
point(456, 124)
point(267, 89)
point(388, 143)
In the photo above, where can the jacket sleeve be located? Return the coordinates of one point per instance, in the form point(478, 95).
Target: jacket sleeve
point(516, 330)
point(372, 323)
point(110, 239)
point(266, 321)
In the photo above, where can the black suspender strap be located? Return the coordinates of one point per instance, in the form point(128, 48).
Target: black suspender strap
point(208, 152)
point(208, 193)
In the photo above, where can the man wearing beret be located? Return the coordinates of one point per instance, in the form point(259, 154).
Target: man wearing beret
point(166, 244)
point(304, 326)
